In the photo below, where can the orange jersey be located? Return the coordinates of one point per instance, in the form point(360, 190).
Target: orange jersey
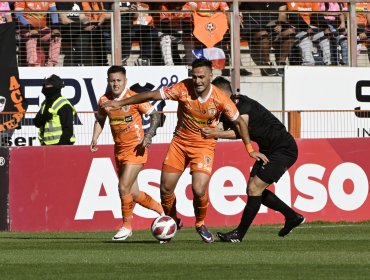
point(37, 20)
point(302, 7)
point(93, 6)
point(361, 17)
point(125, 123)
point(194, 112)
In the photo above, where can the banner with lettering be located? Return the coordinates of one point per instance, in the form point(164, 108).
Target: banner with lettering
point(330, 185)
point(12, 103)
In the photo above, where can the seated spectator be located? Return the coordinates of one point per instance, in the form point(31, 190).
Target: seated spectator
point(306, 34)
point(266, 30)
point(92, 38)
point(78, 35)
point(137, 25)
point(72, 29)
point(170, 30)
point(335, 29)
point(35, 32)
point(363, 26)
point(5, 16)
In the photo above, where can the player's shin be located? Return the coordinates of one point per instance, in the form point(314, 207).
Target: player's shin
point(200, 204)
point(127, 206)
point(168, 202)
point(249, 213)
point(147, 201)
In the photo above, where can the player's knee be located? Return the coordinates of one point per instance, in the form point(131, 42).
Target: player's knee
point(199, 192)
point(254, 188)
point(123, 189)
point(166, 189)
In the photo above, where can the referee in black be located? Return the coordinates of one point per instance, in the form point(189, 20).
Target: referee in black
point(280, 148)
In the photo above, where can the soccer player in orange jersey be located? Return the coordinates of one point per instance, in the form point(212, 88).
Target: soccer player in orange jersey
point(130, 148)
point(199, 106)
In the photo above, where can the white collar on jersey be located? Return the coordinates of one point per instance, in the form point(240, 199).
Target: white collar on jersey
point(122, 94)
point(202, 100)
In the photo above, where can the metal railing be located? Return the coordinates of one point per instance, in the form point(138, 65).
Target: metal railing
point(104, 45)
point(301, 124)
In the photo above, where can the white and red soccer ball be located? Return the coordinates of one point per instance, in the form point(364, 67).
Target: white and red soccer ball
point(164, 228)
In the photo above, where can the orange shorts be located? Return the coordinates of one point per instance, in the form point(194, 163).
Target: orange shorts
point(180, 154)
point(129, 155)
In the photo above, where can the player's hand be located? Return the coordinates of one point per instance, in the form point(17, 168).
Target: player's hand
point(93, 146)
point(146, 141)
point(111, 104)
point(209, 132)
point(259, 156)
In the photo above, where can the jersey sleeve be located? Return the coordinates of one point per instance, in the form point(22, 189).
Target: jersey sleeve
point(145, 108)
point(101, 110)
point(173, 92)
point(229, 109)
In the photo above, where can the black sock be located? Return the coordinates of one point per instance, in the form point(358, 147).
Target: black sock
point(249, 213)
point(270, 200)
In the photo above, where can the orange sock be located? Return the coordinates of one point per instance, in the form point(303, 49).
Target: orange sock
point(147, 201)
point(169, 204)
point(200, 209)
point(127, 206)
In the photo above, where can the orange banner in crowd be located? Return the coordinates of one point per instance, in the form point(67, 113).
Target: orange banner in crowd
point(210, 29)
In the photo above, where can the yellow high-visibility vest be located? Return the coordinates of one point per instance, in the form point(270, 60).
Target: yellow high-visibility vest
point(52, 131)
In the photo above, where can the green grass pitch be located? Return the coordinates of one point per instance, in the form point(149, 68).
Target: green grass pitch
point(313, 251)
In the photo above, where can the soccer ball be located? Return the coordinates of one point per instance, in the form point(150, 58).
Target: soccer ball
point(164, 228)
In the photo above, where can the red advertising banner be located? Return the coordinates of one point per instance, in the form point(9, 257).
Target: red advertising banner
point(71, 189)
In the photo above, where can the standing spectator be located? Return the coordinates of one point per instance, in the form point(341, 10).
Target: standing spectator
point(130, 148)
point(55, 118)
point(277, 144)
point(92, 38)
point(266, 30)
point(5, 16)
point(218, 30)
point(205, 9)
point(200, 106)
point(35, 32)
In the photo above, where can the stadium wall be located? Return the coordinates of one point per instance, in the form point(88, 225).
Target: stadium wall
point(71, 189)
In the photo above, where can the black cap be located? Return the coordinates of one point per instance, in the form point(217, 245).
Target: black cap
point(55, 81)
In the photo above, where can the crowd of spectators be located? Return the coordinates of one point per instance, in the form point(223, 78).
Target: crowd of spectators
point(277, 33)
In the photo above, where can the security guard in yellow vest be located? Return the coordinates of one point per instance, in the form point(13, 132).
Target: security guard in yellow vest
point(55, 118)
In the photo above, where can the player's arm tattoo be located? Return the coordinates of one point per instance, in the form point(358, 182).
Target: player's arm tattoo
point(155, 121)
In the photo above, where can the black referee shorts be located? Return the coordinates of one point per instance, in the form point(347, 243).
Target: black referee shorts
point(280, 160)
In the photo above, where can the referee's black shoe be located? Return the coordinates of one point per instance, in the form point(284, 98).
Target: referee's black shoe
point(291, 224)
point(231, 236)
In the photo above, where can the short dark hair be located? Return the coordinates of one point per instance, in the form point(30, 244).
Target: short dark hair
point(222, 83)
point(116, 69)
point(201, 62)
